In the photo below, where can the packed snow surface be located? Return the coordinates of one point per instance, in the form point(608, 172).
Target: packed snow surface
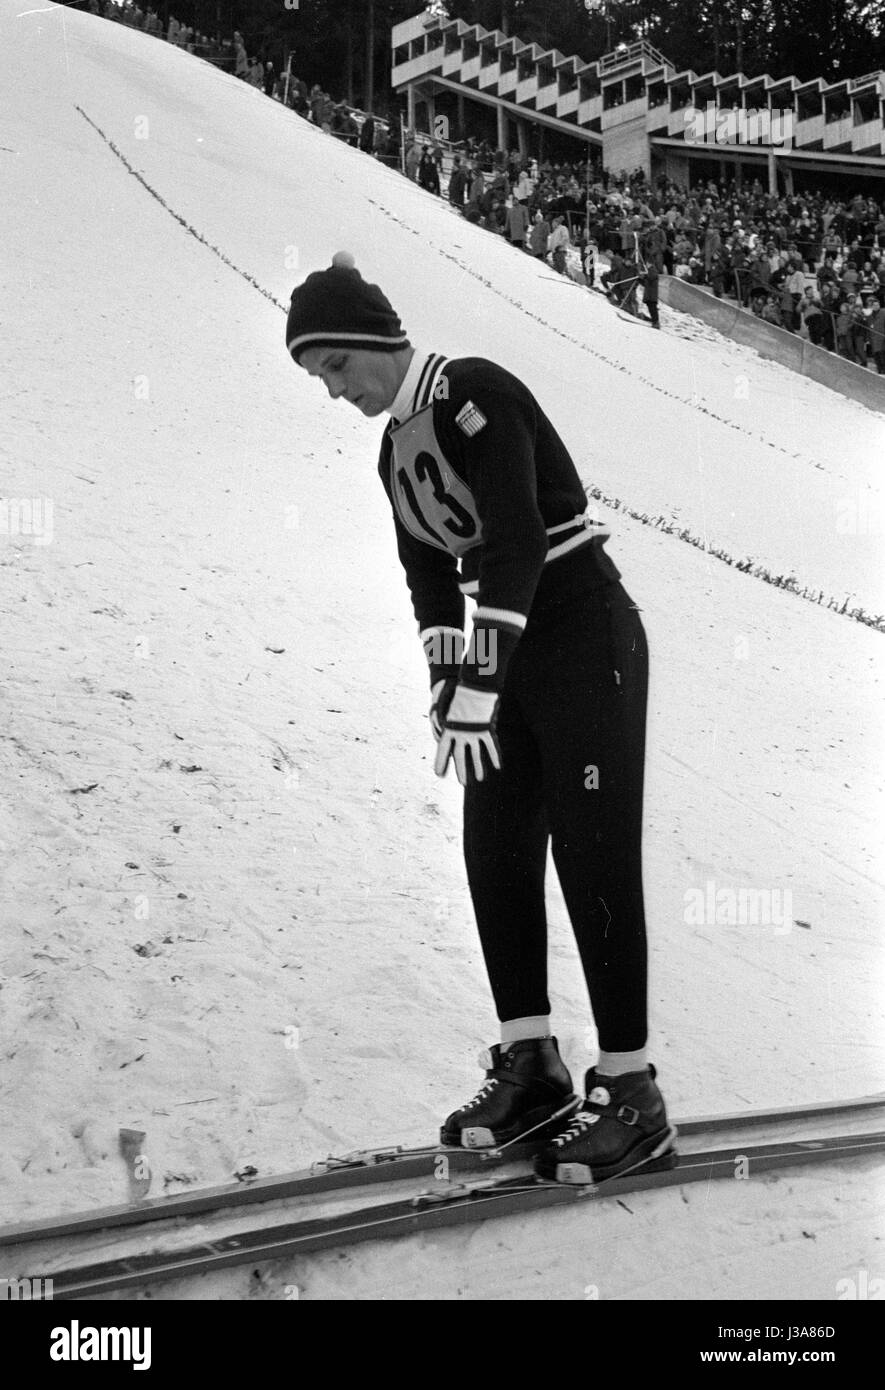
point(234, 910)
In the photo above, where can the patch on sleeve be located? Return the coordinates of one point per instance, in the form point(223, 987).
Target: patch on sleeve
point(471, 419)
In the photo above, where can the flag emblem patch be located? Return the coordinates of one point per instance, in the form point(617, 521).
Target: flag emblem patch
point(471, 419)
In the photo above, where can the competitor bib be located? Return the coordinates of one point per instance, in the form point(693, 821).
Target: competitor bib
point(432, 502)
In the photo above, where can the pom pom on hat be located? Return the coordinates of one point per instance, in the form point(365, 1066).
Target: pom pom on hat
point(337, 307)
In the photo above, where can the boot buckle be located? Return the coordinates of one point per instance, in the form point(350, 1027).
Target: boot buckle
point(626, 1110)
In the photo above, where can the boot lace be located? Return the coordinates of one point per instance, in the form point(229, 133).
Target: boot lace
point(482, 1094)
point(580, 1123)
point(486, 1061)
point(585, 1117)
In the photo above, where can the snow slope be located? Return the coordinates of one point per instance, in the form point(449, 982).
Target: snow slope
point(234, 912)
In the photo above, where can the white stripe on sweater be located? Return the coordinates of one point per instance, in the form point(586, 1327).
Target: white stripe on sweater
point(470, 587)
point(572, 543)
point(501, 615)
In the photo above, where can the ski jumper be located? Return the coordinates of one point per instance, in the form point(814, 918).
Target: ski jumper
point(487, 502)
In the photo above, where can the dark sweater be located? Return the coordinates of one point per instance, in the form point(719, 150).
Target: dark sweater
point(478, 474)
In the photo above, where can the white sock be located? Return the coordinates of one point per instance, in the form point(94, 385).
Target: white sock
point(522, 1029)
point(620, 1063)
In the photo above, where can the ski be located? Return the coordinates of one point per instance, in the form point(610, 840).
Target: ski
point(450, 1206)
point(621, 312)
point(369, 1166)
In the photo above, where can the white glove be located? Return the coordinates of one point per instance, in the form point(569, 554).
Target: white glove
point(468, 731)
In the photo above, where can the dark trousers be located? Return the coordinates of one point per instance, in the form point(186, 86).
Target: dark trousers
point(572, 715)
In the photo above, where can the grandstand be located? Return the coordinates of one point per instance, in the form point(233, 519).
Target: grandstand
point(636, 111)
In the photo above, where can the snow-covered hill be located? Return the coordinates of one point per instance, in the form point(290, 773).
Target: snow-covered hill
point(234, 911)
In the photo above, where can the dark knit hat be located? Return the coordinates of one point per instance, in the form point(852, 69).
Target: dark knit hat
point(337, 307)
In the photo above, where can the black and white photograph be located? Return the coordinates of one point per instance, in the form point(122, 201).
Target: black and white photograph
point(441, 537)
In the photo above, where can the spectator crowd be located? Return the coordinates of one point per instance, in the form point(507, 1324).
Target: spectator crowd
point(808, 262)
point(182, 35)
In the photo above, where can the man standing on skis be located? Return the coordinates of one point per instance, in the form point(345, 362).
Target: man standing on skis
point(542, 713)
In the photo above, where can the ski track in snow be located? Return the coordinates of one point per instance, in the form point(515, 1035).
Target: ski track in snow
point(686, 329)
point(601, 356)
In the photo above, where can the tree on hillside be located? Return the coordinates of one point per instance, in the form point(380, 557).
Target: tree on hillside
point(812, 38)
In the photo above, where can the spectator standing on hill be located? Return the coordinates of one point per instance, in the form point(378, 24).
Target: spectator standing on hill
point(857, 332)
point(758, 275)
point(477, 186)
point(829, 307)
point(719, 270)
point(557, 243)
point(712, 247)
point(413, 159)
point(794, 286)
point(787, 305)
point(517, 223)
point(525, 187)
point(625, 231)
point(457, 184)
point(539, 236)
point(738, 267)
point(343, 124)
point(327, 114)
point(367, 135)
point(428, 175)
point(241, 61)
point(386, 143)
point(500, 185)
point(877, 334)
point(843, 329)
point(654, 244)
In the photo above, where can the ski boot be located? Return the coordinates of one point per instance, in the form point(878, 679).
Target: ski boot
point(527, 1087)
point(621, 1126)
